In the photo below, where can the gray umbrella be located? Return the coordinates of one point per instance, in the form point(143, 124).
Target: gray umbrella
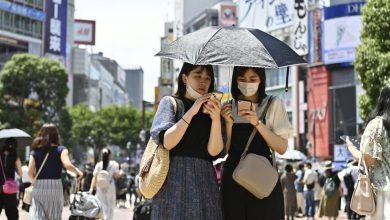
point(22, 137)
point(232, 46)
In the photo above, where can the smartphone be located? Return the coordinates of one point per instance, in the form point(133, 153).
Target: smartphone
point(216, 95)
point(244, 105)
point(355, 141)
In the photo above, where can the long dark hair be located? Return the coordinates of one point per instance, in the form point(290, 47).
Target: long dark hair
point(106, 152)
point(240, 71)
point(382, 108)
point(47, 137)
point(186, 69)
point(10, 145)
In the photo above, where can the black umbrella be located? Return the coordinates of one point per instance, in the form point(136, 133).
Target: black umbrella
point(22, 137)
point(232, 46)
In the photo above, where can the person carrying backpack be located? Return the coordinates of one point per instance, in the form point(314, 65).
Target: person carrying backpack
point(104, 175)
point(329, 204)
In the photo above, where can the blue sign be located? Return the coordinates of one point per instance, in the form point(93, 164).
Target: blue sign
point(55, 28)
point(22, 10)
point(343, 10)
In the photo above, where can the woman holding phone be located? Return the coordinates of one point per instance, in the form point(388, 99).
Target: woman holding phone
point(241, 118)
point(190, 190)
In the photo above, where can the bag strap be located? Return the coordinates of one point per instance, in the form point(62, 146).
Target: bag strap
point(262, 118)
point(2, 168)
point(40, 168)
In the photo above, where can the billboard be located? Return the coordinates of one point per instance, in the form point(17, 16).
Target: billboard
point(228, 15)
point(84, 32)
point(318, 81)
point(300, 31)
point(22, 10)
point(266, 15)
point(55, 29)
point(342, 25)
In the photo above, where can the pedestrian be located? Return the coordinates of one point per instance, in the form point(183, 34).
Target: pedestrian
point(49, 155)
point(122, 186)
point(349, 179)
point(190, 190)
point(317, 191)
point(299, 187)
point(329, 203)
point(309, 181)
point(289, 191)
point(10, 163)
point(26, 182)
point(104, 175)
point(375, 145)
point(271, 134)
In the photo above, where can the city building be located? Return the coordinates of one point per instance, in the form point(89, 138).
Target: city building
point(134, 86)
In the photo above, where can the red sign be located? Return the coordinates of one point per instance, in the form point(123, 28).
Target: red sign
point(318, 82)
point(228, 15)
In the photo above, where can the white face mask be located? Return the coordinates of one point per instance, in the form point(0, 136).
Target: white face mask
point(194, 94)
point(248, 89)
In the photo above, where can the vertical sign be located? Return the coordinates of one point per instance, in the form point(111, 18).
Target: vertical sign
point(55, 29)
point(300, 39)
point(228, 15)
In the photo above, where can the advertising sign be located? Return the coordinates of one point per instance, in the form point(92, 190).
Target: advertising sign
point(55, 28)
point(228, 15)
point(22, 10)
point(84, 32)
point(342, 26)
point(300, 31)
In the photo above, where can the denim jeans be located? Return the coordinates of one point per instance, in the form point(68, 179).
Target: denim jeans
point(310, 205)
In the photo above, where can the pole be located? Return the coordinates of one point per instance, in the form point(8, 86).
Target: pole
point(143, 114)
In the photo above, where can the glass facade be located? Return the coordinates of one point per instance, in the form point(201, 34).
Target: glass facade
point(21, 25)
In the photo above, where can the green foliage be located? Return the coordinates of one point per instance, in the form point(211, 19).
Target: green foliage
point(373, 54)
point(33, 91)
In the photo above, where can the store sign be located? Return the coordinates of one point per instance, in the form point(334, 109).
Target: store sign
point(84, 32)
point(342, 26)
point(300, 31)
point(55, 28)
point(228, 15)
point(266, 15)
point(22, 10)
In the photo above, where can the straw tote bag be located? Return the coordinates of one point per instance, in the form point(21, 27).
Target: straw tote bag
point(155, 161)
point(27, 197)
point(254, 172)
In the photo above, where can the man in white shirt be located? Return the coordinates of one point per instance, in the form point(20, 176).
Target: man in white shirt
point(309, 180)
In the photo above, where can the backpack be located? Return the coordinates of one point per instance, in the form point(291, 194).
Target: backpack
point(330, 187)
point(103, 179)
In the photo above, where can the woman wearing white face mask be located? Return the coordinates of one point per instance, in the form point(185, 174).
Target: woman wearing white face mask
point(190, 190)
point(273, 132)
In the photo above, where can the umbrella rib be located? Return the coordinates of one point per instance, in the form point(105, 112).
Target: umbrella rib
point(206, 44)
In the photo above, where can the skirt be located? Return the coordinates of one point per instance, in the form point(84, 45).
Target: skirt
point(190, 192)
point(382, 210)
point(47, 200)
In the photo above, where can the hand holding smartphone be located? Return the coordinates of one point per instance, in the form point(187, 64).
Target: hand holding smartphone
point(216, 95)
point(244, 105)
point(353, 140)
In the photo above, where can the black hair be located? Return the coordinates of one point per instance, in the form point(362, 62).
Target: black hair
point(106, 157)
point(288, 168)
point(240, 71)
point(10, 145)
point(301, 166)
point(382, 108)
point(308, 164)
point(186, 69)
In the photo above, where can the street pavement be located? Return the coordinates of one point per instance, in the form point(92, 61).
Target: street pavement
point(119, 213)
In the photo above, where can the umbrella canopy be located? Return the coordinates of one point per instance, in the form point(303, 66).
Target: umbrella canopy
point(292, 155)
point(22, 137)
point(232, 46)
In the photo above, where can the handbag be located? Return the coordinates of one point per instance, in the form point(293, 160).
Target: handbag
point(155, 161)
point(10, 186)
point(363, 197)
point(27, 197)
point(254, 172)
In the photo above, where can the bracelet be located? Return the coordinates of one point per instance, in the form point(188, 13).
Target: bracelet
point(185, 121)
point(257, 124)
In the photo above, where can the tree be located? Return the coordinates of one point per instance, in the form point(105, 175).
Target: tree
point(33, 91)
point(373, 53)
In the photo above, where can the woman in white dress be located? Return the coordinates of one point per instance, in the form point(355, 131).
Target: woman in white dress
point(106, 195)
